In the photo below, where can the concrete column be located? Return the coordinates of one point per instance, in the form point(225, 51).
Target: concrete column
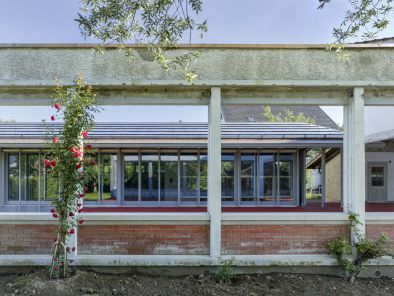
point(323, 177)
point(214, 171)
point(354, 160)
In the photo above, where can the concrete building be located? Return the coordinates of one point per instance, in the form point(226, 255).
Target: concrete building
point(198, 225)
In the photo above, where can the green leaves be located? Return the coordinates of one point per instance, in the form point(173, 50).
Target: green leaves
point(161, 24)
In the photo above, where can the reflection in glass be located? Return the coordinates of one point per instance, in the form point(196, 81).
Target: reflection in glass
point(228, 177)
point(189, 177)
point(203, 177)
point(168, 177)
point(13, 177)
point(108, 177)
point(266, 176)
point(131, 177)
point(92, 185)
point(248, 164)
point(149, 177)
point(285, 176)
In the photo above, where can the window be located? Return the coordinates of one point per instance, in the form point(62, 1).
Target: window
point(168, 177)
point(108, 177)
point(150, 177)
point(131, 172)
point(377, 176)
point(228, 177)
point(276, 177)
point(23, 176)
point(203, 177)
point(13, 177)
point(248, 172)
point(267, 177)
point(188, 177)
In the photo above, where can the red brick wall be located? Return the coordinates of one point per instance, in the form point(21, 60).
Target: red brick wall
point(278, 239)
point(375, 230)
point(143, 239)
point(26, 239)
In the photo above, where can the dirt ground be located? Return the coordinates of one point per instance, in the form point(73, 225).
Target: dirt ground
point(92, 283)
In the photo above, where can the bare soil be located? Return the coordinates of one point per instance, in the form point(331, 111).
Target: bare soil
point(92, 283)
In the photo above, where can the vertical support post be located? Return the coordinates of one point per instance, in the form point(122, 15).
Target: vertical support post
point(354, 154)
point(323, 177)
point(302, 164)
point(214, 172)
point(2, 179)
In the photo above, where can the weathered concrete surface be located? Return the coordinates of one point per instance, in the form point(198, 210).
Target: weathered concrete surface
point(39, 66)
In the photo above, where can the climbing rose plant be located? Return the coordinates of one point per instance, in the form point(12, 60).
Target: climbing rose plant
point(71, 164)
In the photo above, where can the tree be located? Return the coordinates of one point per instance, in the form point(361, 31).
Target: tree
point(289, 116)
point(71, 164)
point(160, 23)
point(364, 19)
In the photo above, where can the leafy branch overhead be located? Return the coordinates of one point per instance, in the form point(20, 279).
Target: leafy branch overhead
point(161, 24)
point(364, 19)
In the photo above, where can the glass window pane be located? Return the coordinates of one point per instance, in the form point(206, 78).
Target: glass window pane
point(149, 177)
point(13, 177)
point(49, 184)
point(189, 177)
point(92, 186)
point(248, 165)
point(377, 176)
point(266, 177)
point(131, 177)
point(228, 177)
point(203, 177)
point(168, 177)
point(285, 176)
point(108, 177)
point(30, 174)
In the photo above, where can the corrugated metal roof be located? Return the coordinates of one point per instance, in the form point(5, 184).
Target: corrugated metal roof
point(179, 131)
point(254, 113)
point(383, 136)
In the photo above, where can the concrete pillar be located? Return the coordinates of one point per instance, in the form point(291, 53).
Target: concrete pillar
point(323, 177)
point(354, 160)
point(214, 171)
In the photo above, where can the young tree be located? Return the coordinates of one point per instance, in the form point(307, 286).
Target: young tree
point(160, 23)
point(70, 163)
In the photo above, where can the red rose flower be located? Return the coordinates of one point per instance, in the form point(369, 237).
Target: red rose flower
point(68, 249)
point(80, 210)
point(57, 106)
point(73, 149)
point(53, 118)
point(47, 162)
point(52, 211)
point(72, 231)
point(80, 221)
point(55, 268)
point(94, 162)
point(79, 204)
point(53, 163)
point(71, 214)
point(78, 166)
point(81, 195)
point(55, 140)
point(88, 147)
point(85, 134)
point(55, 215)
point(73, 249)
point(77, 154)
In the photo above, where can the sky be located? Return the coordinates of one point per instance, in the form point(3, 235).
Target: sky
point(229, 21)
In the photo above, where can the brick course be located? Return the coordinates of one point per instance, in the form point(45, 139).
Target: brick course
point(26, 239)
point(375, 230)
point(278, 239)
point(143, 239)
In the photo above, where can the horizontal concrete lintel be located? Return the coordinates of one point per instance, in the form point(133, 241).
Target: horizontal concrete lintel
point(379, 218)
point(186, 260)
point(283, 218)
point(205, 84)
